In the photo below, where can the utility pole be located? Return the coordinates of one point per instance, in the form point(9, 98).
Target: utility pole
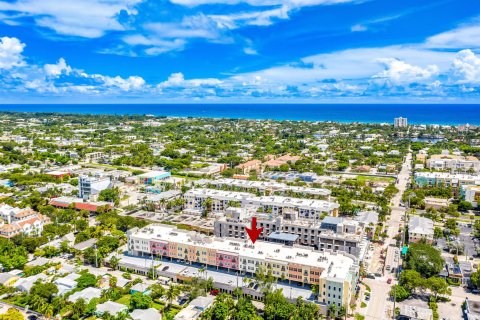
point(96, 257)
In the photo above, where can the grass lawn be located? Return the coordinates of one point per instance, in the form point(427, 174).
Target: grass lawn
point(370, 178)
point(158, 306)
point(125, 300)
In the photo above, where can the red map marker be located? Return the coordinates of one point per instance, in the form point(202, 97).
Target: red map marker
point(254, 232)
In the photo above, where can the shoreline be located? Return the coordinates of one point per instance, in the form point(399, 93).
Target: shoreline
point(418, 114)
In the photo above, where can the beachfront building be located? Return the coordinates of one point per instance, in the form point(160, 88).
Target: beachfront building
point(400, 122)
point(346, 235)
point(149, 177)
point(90, 187)
point(15, 221)
point(420, 229)
point(276, 205)
point(453, 162)
point(336, 274)
point(453, 180)
point(268, 187)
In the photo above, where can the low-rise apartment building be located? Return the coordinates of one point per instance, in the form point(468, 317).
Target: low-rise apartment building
point(471, 194)
point(346, 236)
point(90, 187)
point(336, 274)
point(14, 221)
point(248, 166)
point(453, 162)
point(430, 179)
point(269, 187)
point(420, 229)
point(276, 205)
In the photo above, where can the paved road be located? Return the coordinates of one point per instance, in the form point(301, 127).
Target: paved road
point(379, 306)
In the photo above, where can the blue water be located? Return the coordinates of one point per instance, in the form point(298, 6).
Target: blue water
point(366, 113)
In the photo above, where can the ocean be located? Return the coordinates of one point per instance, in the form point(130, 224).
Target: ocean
point(365, 113)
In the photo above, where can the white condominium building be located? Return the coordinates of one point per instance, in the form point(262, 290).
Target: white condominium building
point(14, 221)
point(268, 187)
point(453, 162)
point(89, 187)
point(420, 229)
point(400, 122)
point(336, 274)
point(221, 200)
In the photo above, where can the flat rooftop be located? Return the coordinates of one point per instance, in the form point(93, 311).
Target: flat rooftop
point(265, 200)
point(336, 265)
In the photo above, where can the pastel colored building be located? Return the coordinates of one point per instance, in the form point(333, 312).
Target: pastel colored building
point(149, 177)
point(335, 273)
point(430, 179)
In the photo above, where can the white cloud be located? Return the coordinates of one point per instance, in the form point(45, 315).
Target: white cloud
point(297, 3)
point(349, 64)
point(11, 53)
point(155, 46)
point(128, 84)
point(467, 36)
point(250, 51)
point(177, 80)
point(466, 67)
point(400, 72)
point(358, 28)
point(57, 69)
point(86, 18)
point(173, 36)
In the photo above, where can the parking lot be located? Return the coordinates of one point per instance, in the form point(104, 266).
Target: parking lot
point(465, 238)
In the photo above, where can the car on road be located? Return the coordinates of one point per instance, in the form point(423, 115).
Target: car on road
point(389, 280)
point(367, 297)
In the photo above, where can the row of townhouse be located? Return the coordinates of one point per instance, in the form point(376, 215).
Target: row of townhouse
point(336, 274)
point(430, 179)
point(270, 187)
point(332, 233)
point(15, 221)
point(276, 205)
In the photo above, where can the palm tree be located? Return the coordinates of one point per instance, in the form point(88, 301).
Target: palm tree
point(172, 292)
point(114, 262)
point(47, 310)
point(332, 311)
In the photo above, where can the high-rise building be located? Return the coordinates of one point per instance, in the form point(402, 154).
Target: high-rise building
point(400, 122)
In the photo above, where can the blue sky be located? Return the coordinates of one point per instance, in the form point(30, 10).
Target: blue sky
point(239, 51)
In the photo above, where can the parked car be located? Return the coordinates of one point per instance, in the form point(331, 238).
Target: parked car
point(389, 280)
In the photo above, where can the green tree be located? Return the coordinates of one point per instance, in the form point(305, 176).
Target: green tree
point(12, 314)
point(86, 280)
point(110, 195)
point(277, 307)
point(425, 259)
point(438, 286)
point(172, 293)
point(475, 278)
point(44, 290)
point(400, 292)
point(140, 301)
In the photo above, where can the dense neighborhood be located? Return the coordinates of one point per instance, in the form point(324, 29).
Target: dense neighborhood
point(146, 217)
